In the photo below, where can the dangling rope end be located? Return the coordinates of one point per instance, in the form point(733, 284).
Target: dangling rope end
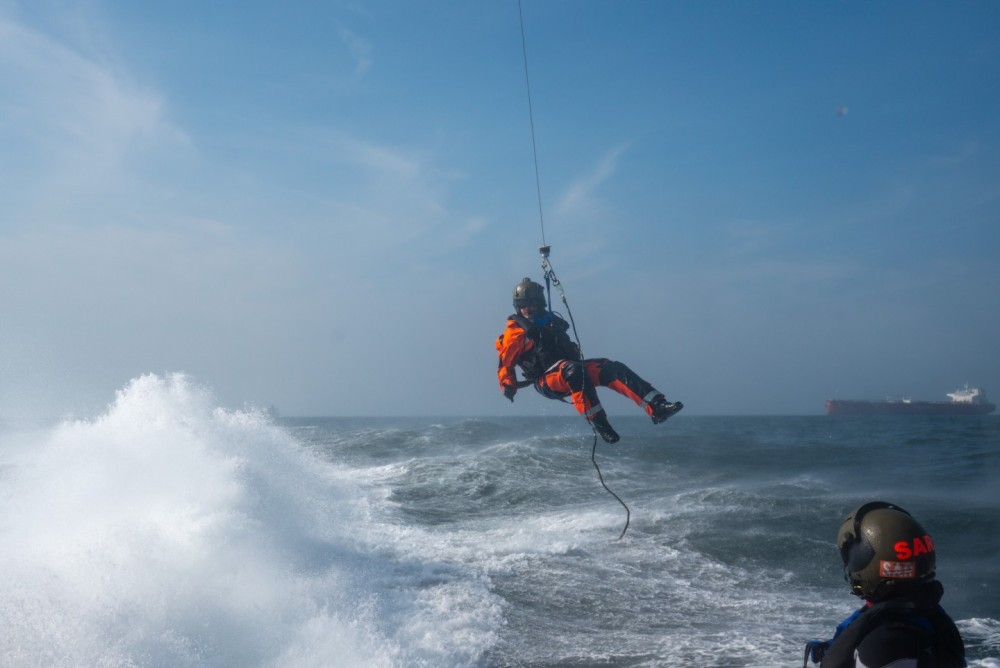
point(600, 476)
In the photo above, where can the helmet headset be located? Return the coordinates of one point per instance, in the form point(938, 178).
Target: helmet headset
point(528, 293)
point(884, 548)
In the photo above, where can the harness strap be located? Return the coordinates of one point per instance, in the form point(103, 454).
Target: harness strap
point(551, 279)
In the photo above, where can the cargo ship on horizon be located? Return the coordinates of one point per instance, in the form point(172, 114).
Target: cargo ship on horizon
point(967, 401)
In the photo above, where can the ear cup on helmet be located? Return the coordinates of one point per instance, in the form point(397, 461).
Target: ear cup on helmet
point(859, 554)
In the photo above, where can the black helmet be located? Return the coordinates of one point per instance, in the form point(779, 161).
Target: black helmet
point(528, 293)
point(883, 548)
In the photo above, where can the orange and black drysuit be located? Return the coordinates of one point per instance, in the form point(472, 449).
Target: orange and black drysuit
point(552, 362)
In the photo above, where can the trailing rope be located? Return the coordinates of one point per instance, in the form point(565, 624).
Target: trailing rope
point(548, 271)
point(628, 514)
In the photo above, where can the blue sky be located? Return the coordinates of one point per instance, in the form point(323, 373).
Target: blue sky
point(324, 206)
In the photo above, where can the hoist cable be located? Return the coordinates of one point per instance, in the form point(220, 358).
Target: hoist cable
point(550, 274)
point(531, 120)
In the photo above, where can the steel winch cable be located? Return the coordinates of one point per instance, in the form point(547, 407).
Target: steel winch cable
point(548, 271)
point(531, 121)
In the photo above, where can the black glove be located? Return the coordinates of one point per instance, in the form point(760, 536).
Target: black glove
point(816, 650)
point(509, 391)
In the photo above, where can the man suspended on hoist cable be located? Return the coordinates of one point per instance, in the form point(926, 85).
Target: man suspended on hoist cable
point(537, 340)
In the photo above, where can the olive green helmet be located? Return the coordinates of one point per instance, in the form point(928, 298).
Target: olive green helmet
point(884, 548)
point(528, 293)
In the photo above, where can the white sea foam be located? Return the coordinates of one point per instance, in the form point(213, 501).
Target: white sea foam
point(169, 532)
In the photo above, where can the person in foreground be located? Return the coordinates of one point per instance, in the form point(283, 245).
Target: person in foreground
point(889, 560)
point(537, 341)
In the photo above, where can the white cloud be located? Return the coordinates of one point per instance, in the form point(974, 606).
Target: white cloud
point(360, 50)
point(391, 194)
point(580, 196)
point(959, 155)
point(71, 127)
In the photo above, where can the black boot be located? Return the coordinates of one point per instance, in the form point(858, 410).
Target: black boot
point(662, 409)
point(603, 427)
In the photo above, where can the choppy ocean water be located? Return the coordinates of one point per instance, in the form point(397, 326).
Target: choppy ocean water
point(170, 532)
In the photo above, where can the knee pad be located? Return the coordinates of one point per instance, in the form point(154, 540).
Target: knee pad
point(572, 373)
point(611, 371)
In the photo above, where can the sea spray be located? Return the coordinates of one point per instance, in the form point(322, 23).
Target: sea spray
point(168, 532)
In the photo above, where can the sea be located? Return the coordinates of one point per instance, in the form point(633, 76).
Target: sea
point(168, 531)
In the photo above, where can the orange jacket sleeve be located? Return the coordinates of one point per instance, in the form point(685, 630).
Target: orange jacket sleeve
point(510, 346)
